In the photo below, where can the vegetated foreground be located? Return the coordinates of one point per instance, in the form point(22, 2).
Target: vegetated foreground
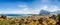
point(30, 20)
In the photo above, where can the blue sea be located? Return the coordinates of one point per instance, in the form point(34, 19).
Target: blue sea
point(15, 15)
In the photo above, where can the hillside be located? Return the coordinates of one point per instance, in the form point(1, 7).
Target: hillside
point(28, 20)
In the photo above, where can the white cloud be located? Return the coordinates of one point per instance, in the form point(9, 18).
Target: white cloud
point(54, 8)
point(45, 7)
point(24, 6)
point(27, 10)
point(50, 8)
point(35, 11)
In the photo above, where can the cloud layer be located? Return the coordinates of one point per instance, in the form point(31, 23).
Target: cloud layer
point(33, 7)
point(27, 10)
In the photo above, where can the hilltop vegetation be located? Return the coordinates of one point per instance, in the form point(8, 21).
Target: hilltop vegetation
point(31, 20)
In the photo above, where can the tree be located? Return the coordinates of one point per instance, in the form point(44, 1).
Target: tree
point(58, 16)
point(3, 16)
point(54, 17)
point(40, 20)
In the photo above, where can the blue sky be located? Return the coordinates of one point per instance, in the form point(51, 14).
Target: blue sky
point(28, 6)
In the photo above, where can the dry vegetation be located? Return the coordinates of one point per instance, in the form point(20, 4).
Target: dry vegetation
point(29, 20)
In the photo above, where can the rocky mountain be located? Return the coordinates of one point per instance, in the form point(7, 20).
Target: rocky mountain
point(44, 12)
point(56, 12)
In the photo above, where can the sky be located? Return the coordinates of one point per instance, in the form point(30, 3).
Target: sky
point(28, 6)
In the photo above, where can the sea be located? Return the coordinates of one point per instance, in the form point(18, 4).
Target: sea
point(15, 15)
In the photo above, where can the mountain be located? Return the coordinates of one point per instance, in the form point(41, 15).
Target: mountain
point(44, 12)
point(56, 12)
